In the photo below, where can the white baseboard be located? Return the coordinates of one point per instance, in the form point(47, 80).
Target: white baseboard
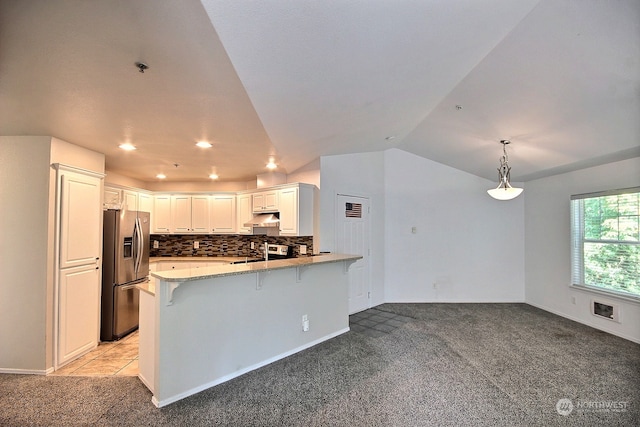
point(575, 319)
point(235, 374)
point(145, 382)
point(26, 371)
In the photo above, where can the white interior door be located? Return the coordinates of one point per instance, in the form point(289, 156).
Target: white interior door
point(352, 237)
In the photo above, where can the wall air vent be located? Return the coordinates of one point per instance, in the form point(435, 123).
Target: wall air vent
point(608, 310)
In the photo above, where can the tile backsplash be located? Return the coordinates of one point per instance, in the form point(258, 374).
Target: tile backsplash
point(222, 245)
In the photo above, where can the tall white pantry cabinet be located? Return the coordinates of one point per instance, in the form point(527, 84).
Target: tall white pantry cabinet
point(78, 267)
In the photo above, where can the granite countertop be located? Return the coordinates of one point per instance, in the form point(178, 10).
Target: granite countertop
point(189, 274)
point(149, 287)
point(220, 259)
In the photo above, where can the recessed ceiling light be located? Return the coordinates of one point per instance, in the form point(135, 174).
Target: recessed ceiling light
point(161, 176)
point(127, 146)
point(271, 165)
point(213, 176)
point(203, 144)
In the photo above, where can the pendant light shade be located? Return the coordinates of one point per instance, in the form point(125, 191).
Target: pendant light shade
point(504, 190)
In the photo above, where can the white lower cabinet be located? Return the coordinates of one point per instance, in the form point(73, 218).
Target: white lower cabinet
point(146, 339)
point(79, 316)
point(172, 265)
point(180, 265)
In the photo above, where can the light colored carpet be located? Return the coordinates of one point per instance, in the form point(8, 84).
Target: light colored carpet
point(449, 365)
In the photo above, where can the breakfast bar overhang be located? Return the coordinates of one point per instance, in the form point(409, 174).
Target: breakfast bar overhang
point(201, 327)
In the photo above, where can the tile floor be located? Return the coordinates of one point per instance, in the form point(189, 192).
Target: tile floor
point(121, 357)
point(109, 358)
point(376, 323)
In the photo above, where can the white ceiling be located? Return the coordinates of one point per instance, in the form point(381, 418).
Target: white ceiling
point(295, 80)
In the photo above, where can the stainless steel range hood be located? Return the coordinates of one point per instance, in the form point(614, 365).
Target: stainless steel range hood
point(263, 220)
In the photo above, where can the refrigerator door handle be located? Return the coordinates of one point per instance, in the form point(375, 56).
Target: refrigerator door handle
point(140, 246)
point(127, 287)
point(137, 233)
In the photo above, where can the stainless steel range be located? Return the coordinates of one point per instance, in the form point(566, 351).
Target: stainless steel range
point(278, 251)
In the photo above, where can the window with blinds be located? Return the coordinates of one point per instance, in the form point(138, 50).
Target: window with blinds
point(606, 241)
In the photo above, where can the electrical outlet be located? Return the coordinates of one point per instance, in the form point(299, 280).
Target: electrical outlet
point(253, 245)
point(305, 323)
point(303, 249)
point(156, 244)
point(196, 245)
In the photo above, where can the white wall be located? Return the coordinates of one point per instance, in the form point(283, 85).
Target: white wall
point(27, 186)
point(548, 248)
point(355, 175)
point(470, 245)
point(115, 178)
point(24, 194)
point(309, 174)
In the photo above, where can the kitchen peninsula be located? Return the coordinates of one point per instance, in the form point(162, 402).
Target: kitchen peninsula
point(200, 327)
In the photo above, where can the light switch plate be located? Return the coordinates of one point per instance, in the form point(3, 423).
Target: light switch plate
point(196, 245)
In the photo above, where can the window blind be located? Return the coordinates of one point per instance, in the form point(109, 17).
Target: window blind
point(605, 240)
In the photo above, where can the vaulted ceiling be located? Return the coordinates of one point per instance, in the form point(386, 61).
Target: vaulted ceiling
point(295, 80)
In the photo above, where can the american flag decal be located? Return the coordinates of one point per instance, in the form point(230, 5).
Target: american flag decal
point(353, 210)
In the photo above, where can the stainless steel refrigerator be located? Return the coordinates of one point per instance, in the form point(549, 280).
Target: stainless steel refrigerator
point(125, 262)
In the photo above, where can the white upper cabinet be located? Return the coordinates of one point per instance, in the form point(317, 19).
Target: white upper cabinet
point(111, 197)
point(130, 199)
point(289, 212)
point(297, 210)
point(181, 214)
point(145, 204)
point(200, 214)
point(162, 213)
point(226, 213)
point(223, 213)
point(80, 219)
point(244, 213)
point(265, 201)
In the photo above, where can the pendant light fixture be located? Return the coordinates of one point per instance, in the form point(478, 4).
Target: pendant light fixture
point(504, 190)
